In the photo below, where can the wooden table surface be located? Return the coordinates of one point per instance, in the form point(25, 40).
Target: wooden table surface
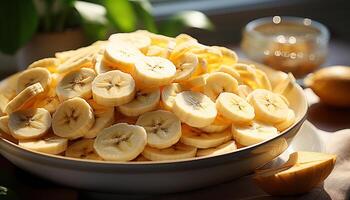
point(23, 185)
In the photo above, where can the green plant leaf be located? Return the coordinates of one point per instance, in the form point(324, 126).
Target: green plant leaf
point(18, 22)
point(94, 19)
point(143, 10)
point(121, 14)
point(185, 19)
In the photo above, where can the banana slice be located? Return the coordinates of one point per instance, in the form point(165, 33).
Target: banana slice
point(281, 126)
point(113, 88)
point(163, 128)
point(253, 133)
point(143, 102)
point(218, 82)
point(4, 127)
point(122, 57)
point(169, 93)
point(197, 138)
point(140, 158)
point(194, 109)
point(155, 50)
point(3, 103)
point(229, 57)
point(73, 118)
point(219, 125)
point(175, 152)
point(244, 90)
point(83, 149)
point(139, 41)
point(156, 39)
point(185, 66)
point(154, 72)
point(120, 142)
point(227, 147)
point(29, 124)
point(285, 84)
point(25, 98)
point(76, 84)
point(101, 66)
point(32, 76)
point(247, 74)
point(104, 117)
point(49, 144)
point(264, 82)
point(234, 108)
point(48, 63)
point(269, 107)
point(79, 59)
point(229, 70)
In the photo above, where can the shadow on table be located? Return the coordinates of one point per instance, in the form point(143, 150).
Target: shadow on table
point(328, 118)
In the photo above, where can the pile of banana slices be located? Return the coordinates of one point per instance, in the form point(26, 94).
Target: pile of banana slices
point(143, 97)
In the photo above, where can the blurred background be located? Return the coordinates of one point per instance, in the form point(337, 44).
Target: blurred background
point(31, 29)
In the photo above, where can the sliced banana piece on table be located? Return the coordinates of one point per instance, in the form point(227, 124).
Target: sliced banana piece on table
point(227, 147)
point(219, 125)
point(281, 126)
point(253, 133)
point(244, 90)
point(49, 144)
point(83, 149)
point(218, 82)
point(269, 107)
point(101, 66)
point(32, 76)
point(48, 63)
point(229, 70)
point(73, 118)
point(25, 98)
point(104, 117)
point(163, 128)
point(143, 102)
point(113, 88)
point(4, 127)
point(76, 84)
point(122, 57)
point(194, 109)
point(154, 72)
point(29, 124)
point(198, 138)
point(175, 152)
point(185, 66)
point(234, 108)
point(135, 39)
point(120, 142)
point(169, 93)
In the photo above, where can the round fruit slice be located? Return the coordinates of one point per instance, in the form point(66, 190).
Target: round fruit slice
point(194, 109)
point(163, 128)
point(82, 57)
point(185, 66)
point(231, 71)
point(83, 149)
point(281, 126)
point(121, 142)
point(244, 90)
point(253, 133)
point(285, 84)
point(29, 124)
point(218, 82)
point(104, 117)
point(101, 66)
point(169, 93)
point(219, 125)
point(227, 147)
point(175, 152)
point(32, 76)
point(197, 138)
point(73, 118)
point(229, 57)
point(76, 84)
point(135, 39)
point(113, 88)
point(24, 98)
point(269, 107)
point(154, 72)
point(143, 102)
point(49, 144)
point(234, 108)
point(154, 50)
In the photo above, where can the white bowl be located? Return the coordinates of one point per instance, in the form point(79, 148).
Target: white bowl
point(157, 177)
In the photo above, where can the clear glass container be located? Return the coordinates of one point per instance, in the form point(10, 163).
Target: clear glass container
point(290, 44)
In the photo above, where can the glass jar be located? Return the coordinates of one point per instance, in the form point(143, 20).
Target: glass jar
point(290, 44)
